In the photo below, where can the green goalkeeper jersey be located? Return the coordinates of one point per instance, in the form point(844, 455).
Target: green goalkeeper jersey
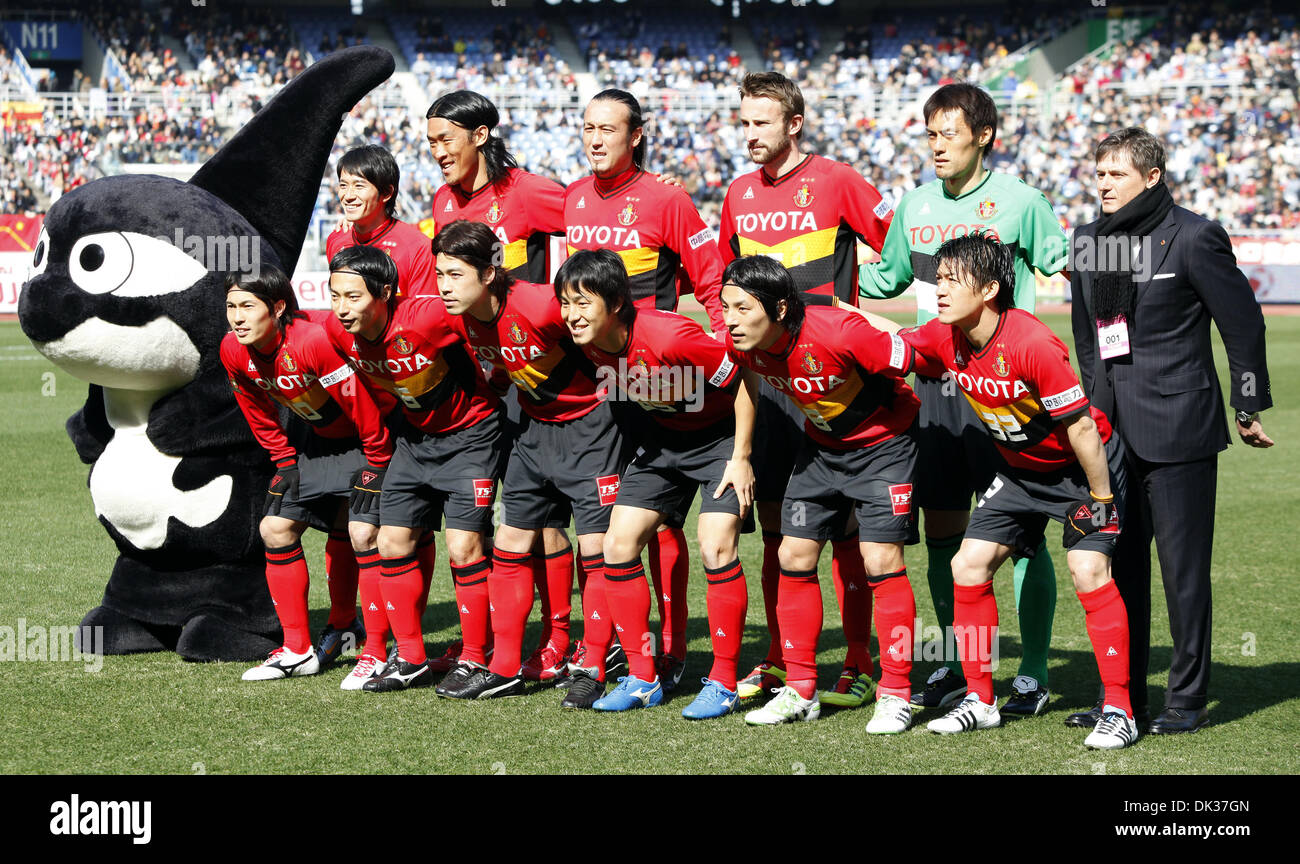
point(1017, 215)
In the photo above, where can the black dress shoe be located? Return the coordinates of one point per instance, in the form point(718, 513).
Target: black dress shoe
point(1171, 721)
point(1089, 719)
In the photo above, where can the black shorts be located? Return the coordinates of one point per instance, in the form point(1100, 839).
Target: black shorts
point(1015, 509)
point(778, 435)
point(637, 429)
point(876, 481)
point(561, 513)
point(675, 464)
point(577, 462)
point(325, 470)
point(454, 474)
point(957, 458)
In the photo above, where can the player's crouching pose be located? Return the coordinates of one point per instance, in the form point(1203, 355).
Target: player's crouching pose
point(1061, 462)
point(274, 353)
point(568, 454)
point(847, 379)
point(700, 437)
point(447, 456)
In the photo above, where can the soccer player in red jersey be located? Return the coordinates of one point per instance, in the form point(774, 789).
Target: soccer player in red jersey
point(808, 213)
point(1060, 461)
point(275, 357)
point(686, 382)
point(568, 451)
point(484, 184)
point(368, 179)
point(448, 453)
point(846, 378)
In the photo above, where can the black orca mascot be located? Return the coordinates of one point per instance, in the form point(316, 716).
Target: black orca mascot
point(127, 293)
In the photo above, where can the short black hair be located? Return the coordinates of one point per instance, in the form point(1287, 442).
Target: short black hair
point(271, 286)
point(975, 105)
point(476, 245)
point(769, 283)
point(601, 273)
point(378, 167)
point(374, 267)
point(980, 257)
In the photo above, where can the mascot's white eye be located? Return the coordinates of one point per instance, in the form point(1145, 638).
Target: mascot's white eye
point(131, 265)
point(40, 255)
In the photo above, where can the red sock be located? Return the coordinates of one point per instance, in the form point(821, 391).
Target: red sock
point(597, 629)
point(668, 553)
point(727, 600)
point(400, 587)
point(628, 597)
point(286, 577)
point(472, 600)
point(341, 576)
point(975, 621)
point(558, 591)
point(510, 590)
point(1107, 622)
point(895, 617)
point(771, 580)
point(427, 551)
point(799, 608)
point(372, 604)
point(537, 566)
point(853, 593)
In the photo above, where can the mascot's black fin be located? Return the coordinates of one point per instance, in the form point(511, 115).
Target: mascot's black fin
point(271, 170)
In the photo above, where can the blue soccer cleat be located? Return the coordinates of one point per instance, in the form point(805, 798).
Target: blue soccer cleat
point(714, 701)
point(630, 693)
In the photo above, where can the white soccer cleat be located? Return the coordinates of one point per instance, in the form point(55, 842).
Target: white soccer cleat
point(892, 715)
point(969, 714)
point(368, 666)
point(283, 663)
point(1114, 731)
point(786, 707)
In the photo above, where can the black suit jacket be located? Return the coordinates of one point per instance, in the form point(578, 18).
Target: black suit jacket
point(1164, 396)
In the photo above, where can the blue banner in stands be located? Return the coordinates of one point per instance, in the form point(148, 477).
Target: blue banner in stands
point(46, 40)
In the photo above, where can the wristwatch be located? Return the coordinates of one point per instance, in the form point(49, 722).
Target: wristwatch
point(1245, 418)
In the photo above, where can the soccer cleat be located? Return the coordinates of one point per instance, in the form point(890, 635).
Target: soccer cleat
point(944, 687)
point(484, 684)
point(400, 675)
point(852, 690)
point(714, 701)
point(584, 690)
point(455, 683)
point(1027, 698)
point(545, 664)
point(334, 641)
point(892, 715)
point(765, 677)
point(283, 663)
point(615, 659)
point(670, 670)
point(786, 707)
point(368, 666)
point(970, 714)
point(630, 693)
point(1116, 730)
point(448, 659)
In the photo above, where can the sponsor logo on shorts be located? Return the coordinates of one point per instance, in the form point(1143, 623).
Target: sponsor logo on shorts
point(607, 489)
point(900, 497)
point(482, 493)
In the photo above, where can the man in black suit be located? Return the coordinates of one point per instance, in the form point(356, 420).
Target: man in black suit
point(1146, 278)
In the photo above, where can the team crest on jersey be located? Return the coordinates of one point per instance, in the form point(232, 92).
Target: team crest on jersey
point(627, 215)
point(517, 334)
point(494, 214)
point(986, 209)
point(287, 362)
point(804, 196)
point(810, 363)
point(1000, 365)
point(402, 345)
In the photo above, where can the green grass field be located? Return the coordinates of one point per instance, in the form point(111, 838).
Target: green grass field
point(158, 714)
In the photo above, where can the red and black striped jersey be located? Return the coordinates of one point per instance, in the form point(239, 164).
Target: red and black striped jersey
point(1020, 384)
point(424, 362)
point(309, 377)
point(844, 375)
point(654, 228)
point(809, 219)
point(530, 343)
point(680, 375)
point(522, 210)
point(406, 244)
